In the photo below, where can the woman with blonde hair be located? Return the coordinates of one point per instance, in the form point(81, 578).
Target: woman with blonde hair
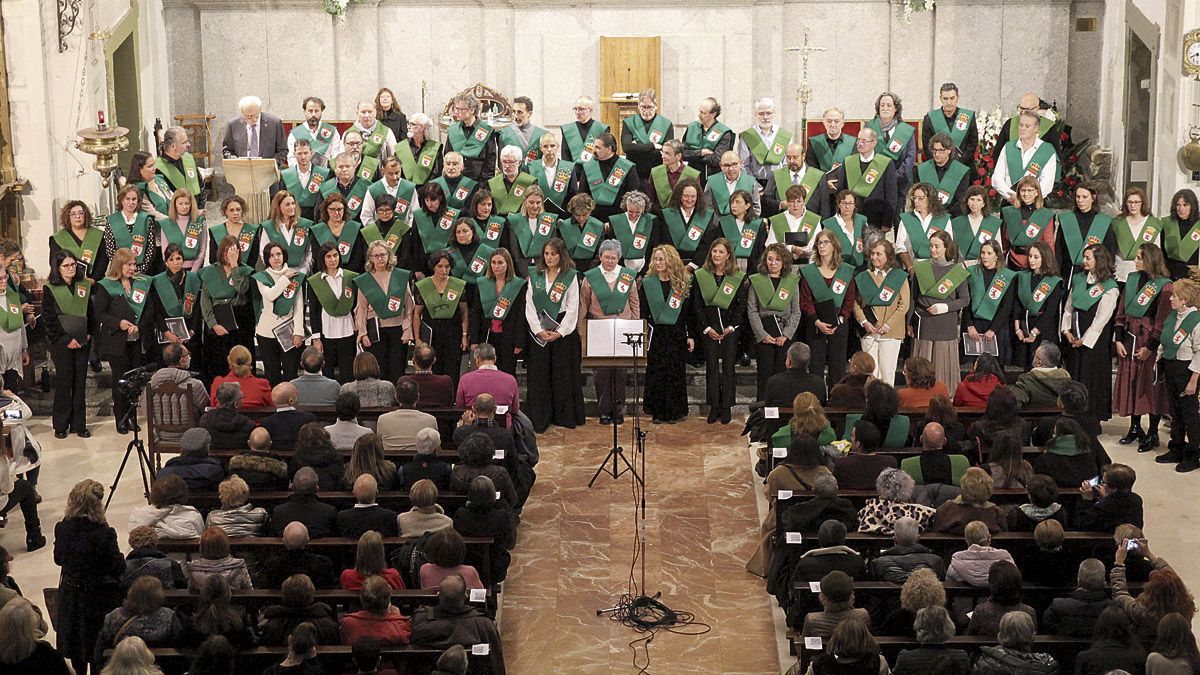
point(256, 391)
point(284, 226)
point(920, 591)
point(426, 515)
point(883, 301)
point(119, 301)
point(581, 232)
point(496, 314)
point(808, 417)
point(667, 308)
point(370, 561)
point(383, 311)
point(827, 298)
point(1026, 220)
point(225, 305)
point(972, 504)
point(529, 229)
point(1138, 331)
point(184, 226)
point(237, 516)
point(367, 458)
point(719, 298)
point(555, 389)
point(21, 645)
point(131, 656)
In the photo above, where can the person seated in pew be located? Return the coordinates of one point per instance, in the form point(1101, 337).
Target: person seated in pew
point(193, 465)
point(486, 516)
point(476, 453)
point(237, 517)
point(971, 565)
point(1049, 564)
point(1076, 614)
point(145, 560)
point(1015, 653)
point(782, 388)
point(366, 515)
point(1006, 464)
point(141, 616)
point(168, 512)
point(1113, 647)
point(284, 424)
point(366, 459)
point(346, 430)
point(426, 515)
point(256, 391)
point(922, 384)
point(934, 464)
point(216, 615)
point(831, 554)
point(453, 621)
point(1000, 414)
point(398, 429)
point(435, 389)
point(216, 560)
point(1068, 458)
point(1004, 596)
point(808, 418)
point(837, 605)
point(859, 469)
point(301, 658)
point(368, 660)
point(481, 419)
point(1164, 593)
point(882, 410)
point(372, 392)
point(26, 649)
point(850, 391)
point(486, 377)
point(379, 618)
point(986, 374)
point(295, 559)
point(800, 515)
point(894, 490)
point(297, 605)
point(176, 364)
point(971, 505)
point(933, 628)
point(1174, 647)
point(797, 472)
point(256, 465)
point(214, 656)
point(851, 648)
point(370, 562)
point(446, 552)
point(940, 410)
point(312, 386)
point(315, 450)
point(426, 465)
point(319, 519)
point(1117, 503)
point(227, 427)
point(1039, 387)
point(1042, 505)
point(898, 563)
point(921, 590)
point(1073, 402)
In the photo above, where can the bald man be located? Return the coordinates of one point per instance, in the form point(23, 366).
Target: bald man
point(1030, 102)
point(254, 133)
point(304, 506)
point(457, 186)
point(284, 424)
point(257, 466)
point(579, 138)
point(295, 558)
point(366, 515)
point(793, 172)
point(934, 465)
point(871, 176)
point(707, 138)
point(732, 178)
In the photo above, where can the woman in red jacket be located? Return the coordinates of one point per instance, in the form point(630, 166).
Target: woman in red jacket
point(256, 391)
point(378, 618)
point(985, 376)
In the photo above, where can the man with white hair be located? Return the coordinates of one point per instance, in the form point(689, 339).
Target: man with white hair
point(176, 163)
point(324, 138)
point(762, 147)
point(455, 184)
point(522, 133)
point(827, 151)
point(508, 187)
point(379, 142)
point(558, 178)
point(472, 138)
point(420, 156)
point(579, 139)
point(643, 134)
point(871, 176)
point(254, 133)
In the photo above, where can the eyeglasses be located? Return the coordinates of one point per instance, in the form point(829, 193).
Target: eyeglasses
point(379, 255)
point(579, 108)
point(728, 166)
point(67, 265)
point(647, 106)
point(865, 140)
point(937, 149)
point(337, 209)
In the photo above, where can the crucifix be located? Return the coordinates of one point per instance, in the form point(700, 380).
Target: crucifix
point(804, 92)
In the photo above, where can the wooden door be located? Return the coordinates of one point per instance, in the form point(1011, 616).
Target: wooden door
point(628, 65)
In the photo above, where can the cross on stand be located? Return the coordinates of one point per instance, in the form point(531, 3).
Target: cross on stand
point(804, 92)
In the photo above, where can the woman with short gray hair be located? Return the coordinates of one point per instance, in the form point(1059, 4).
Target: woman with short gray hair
point(1015, 653)
point(894, 489)
point(635, 229)
point(933, 627)
point(609, 291)
point(426, 464)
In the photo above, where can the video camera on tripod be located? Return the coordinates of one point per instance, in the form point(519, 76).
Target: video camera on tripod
point(133, 382)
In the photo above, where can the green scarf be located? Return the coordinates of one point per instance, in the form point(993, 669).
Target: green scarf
point(696, 137)
point(405, 191)
point(166, 168)
point(659, 126)
point(827, 156)
point(767, 156)
point(555, 187)
point(245, 239)
point(470, 270)
point(550, 299)
point(948, 183)
point(963, 120)
point(808, 225)
point(456, 198)
point(1127, 245)
point(139, 290)
point(354, 199)
point(389, 304)
point(371, 234)
point(532, 243)
point(771, 298)
point(72, 300)
point(985, 301)
point(497, 305)
point(583, 148)
point(719, 294)
point(1017, 170)
point(721, 193)
point(216, 284)
point(418, 168)
point(1179, 246)
point(685, 237)
point(188, 240)
point(296, 245)
point(282, 306)
point(612, 300)
point(783, 181)
point(533, 149)
point(331, 305)
point(173, 305)
point(508, 200)
point(663, 190)
point(863, 184)
point(665, 304)
point(968, 242)
point(1178, 330)
point(1140, 292)
point(135, 239)
point(835, 290)
point(635, 243)
point(902, 133)
point(319, 141)
point(581, 241)
point(852, 252)
point(1025, 232)
point(442, 305)
point(742, 236)
point(434, 236)
point(1033, 298)
point(1084, 296)
point(85, 251)
point(307, 195)
point(881, 294)
point(604, 189)
point(344, 242)
point(941, 288)
point(918, 238)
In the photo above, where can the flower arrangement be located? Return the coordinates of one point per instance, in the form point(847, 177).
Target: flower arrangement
point(1071, 173)
point(337, 9)
point(911, 6)
point(988, 124)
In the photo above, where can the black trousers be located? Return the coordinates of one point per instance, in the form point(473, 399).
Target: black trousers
point(339, 358)
point(769, 360)
point(216, 350)
point(24, 495)
point(720, 376)
point(828, 352)
point(278, 365)
point(610, 390)
point(392, 353)
point(70, 378)
point(129, 358)
point(1185, 418)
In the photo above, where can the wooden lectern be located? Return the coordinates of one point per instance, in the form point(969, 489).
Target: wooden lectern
point(252, 178)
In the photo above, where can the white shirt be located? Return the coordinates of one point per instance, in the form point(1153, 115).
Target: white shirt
point(335, 327)
point(268, 319)
point(389, 139)
point(335, 144)
point(902, 232)
point(1189, 349)
point(1104, 313)
point(287, 233)
point(367, 215)
point(1122, 267)
point(1004, 182)
point(254, 135)
point(750, 163)
point(570, 305)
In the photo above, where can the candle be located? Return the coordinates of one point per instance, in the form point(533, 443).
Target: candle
point(100, 119)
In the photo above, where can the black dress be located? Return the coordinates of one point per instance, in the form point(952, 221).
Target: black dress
point(1045, 320)
point(1000, 323)
point(159, 315)
point(91, 564)
point(666, 396)
point(554, 383)
point(720, 356)
point(447, 336)
point(505, 335)
point(1093, 366)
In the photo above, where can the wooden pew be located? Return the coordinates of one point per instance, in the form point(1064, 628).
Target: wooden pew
point(837, 416)
point(333, 658)
point(944, 544)
point(395, 500)
point(258, 598)
point(1061, 647)
point(866, 593)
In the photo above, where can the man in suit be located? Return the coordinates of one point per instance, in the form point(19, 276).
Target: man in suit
point(434, 389)
point(366, 515)
point(303, 506)
point(398, 429)
point(481, 419)
point(783, 387)
point(284, 424)
point(295, 559)
point(254, 133)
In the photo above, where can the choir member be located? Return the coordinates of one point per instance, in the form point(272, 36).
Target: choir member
point(644, 135)
point(773, 309)
point(489, 227)
point(883, 300)
point(225, 306)
point(497, 312)
point(871, 176)
point(322, 138)
point(1087, 328)
point(1039, 301)
point(581, 232)
point(119, 303)
point(1181, 364)
point(383, 311)
point(827, 151)
point(558, 178)
point(468, 253)
point(923, 216)
point(286, 228)
point(761, 148)
point(941, 295)
point(634, 228)
point(1025, 221)
point(529, 230)
point(508, 186)
point(719, 296)
point(68, 319)
point(156, 193)
point(244, 235)
point(456, 186)
point(609, 291)
point(433, 225)
point(420, 156)
point(976, 225)
point(706, 139)
point(897, 138)
point(282, 303)
point(522, 133)
point(304, 179)
point(77, 235)
point(848, 226)
point(330, 300)
point(134, 229)
point(949, 177)
point(745, 231)
point(379, 141)
point(667, 307)
point(175, 294)
point(720, 186)
point(1025, 157)
point(333, 229)
point(579, 139)
point(793, 172)
point(346, 183)
point(393, 185)
point(958, 124)
point(184, 227)
point(660, 187)
point(440, 316)
point(1181, 233)
point(1137, 334)
point(1132, 228)
point(553, 359)
point(1081, 227)
point(991, 289)
point(689, 223)
point(794, 227)
point(827, 298)
point(608, 177)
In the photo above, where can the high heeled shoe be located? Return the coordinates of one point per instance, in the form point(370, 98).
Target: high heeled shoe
point(1149, 442)
point(1132, 437)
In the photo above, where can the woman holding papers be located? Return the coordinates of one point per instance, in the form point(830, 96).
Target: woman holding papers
point(827, 299)
point(1025, 222)
point(225, 305)
point(667, 307)
point(175, 304)
point(68, 321)
point(383, 311)
point(552, 362)
point(185, 228)
point(1181, 233)
point(330, 298)
point(773, 309)
point(440, 317)
point(1039, 301)
point(976, 225)
point(942, 292)
point(279, 327)
point(719, 296)
point(882, 308)
point(1087, 328)
point(1144, 307)
point(609, 292)
point(986, 319)
point(496, 314)
point(119, 303)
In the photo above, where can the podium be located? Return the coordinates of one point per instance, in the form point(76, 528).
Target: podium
point(252, 178)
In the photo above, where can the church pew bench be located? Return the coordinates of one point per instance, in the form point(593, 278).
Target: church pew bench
point(1061, 647)
point(406, 659)
point(944, 544)
point(395, 500)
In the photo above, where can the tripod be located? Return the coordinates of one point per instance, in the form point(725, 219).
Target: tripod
point(129, 421)
point(616, 453)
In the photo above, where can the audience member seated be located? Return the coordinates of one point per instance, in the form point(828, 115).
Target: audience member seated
point(296, 559)
point(1040, 386)
point(436, 390)
point(1015, 654)
point(975, 389)
point(453, 661)
point(256, 465)
point(131, 655)
point(372, 392)
point(1000, 414)
point(426, 515)
point(1076, 614)
point(312, 387)
point(850, 391)
point(398, 429)
point(366, 515)
point(370, 561)
point(921, 590)
point(486, 378)
point(1117, 503)
point(1073, 402)
point(316, 451)
point(481, 419)
point(176, 369)
point(1006, 464)
point(801, 515)
point(837, 605)
point(933, 628)
point(898, 563)
point(378, 618)
point(851, 647)
point(1164, 593)
point(476, 454)
point(346, 430)
point(808, 417)
point(256, 391)
point(141, 615)
point(1137, 567)
point(227, 427)
point(216, 615)
point(426, 465)
point(1068, 459)
point(894, 490)
point(783, 387)
point(237, 516)
point(882, 410)
point(1175, 651)
point(797, 472)
point(297, 604)
point(972, 565)
point(215, 560)
point(24, 650)
point(971, 505)
point(168, 512)
point(1004, 596)
point(215, 656)
point(301, 658)
point(446, 552)
point(193, 465)
point(831, 554)
point(284, 424)
point(145, 560)
point(1048, 564)
point(486, 516)
point(1042, 505)
point(859, 469)
point(934, 464)
point(1114, 648)
point(453, 621)
point(319, 518)
point(366, 458)
point(940, 410)
point(922, 384)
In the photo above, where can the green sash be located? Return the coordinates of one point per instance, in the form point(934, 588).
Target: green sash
point(686, 238)
point(1014, 129)
point(456, 198)
point(741, 236)
point(1033, 298)
point(282, 306)
point(470, 270)
point(296, 246)
point(532, 243)
point(583, 149)
point(827, 157)
point(1127, 246)
point(245, 239)
point(309, 194)
point(637, 128)
point(508, 200)
point(373, 141)
point(1041, 156)
point(191, 183)
point(1140, 293)
point(216, 284)
point(390, 304)
point(963, 120)
point(835, 290)
point(897, 432)
point(434, 236)
point(968, 242)
point(927, 173)
point(880, 295)
point(1021, 232)
point(135, 240)
point(371, 234)
point(720, 190)
point(72, 302)
point(918, 238)
point(139, 290)
point(722, 294)
point(902, 133)
point(581, 241)
point(612, 300)
point(662, 183)
point(555, 187)
point(851, 250)
point(319, 141)
point(417, 169)
point(767, 156)
point(783, 181)
point(173, 305)
point(1179, 247)
point(441, 305)
point(665, 304)
point(1179, 331)
point(696, 137)
point(344, 242)
point(367, 168)
point(808, 225)
point(85, 251)
point(532, 149)
point(333, 306)
point(1084, 296)
point(863, 184)
point(405, 191)
point(160, 204)
point(772, 298)
point(187, 240)
point(549, 300)
point(933, 287)
point(985, 302)
point(497, 305)
point(1068, 223)
point(11, 317)
point(635, 243)
point(604, 189)
point(354, 200)
point(492, 231)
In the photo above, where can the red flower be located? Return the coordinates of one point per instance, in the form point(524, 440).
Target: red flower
point(1064, 136)
point(1073, 158)
point(982, 171)
point(991, 192)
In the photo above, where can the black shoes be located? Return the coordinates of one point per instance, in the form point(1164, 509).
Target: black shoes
point(1170, 457)
point(1189, 464)
point(726, 417)
point(83, 433)
point(34, 541)
point(1132, 437)
point(713, 415)
point(605, 419)
point(60, 434)
point(1149, 442)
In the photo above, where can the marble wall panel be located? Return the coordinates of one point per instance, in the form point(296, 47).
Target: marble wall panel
point(1034, 65)
point(966, 55)
point(185, 59)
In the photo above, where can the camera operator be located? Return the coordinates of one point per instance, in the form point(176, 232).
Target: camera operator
point(119, 300)
point(26, 462)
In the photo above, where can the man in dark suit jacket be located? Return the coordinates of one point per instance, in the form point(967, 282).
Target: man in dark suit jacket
point(284, 424)
point(366, 515)
point(294, 559)
point(254, 133)
point(783, 387)
point(481, 419)
point(303, 506)
point(433, 390)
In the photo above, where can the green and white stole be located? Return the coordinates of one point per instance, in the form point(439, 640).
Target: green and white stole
point(686, 237)
point(583, 148)
point(721, 192)
point(533, 149)
point(188, 239)
point(985, 301)
point(1127, 245)
point(880, 294)
point(554, 185)
point(783, 180)
point(742, 236)
point(832, 291)
point(762, 153)
point(139, 290)
point(134, 238)
point(1076, 241)
point(72, 300)
point(719, 294)
point(852, 251)
point(1177, 245)
point(371, 234)
point(443, 305)
point(173, 305)
point(390, 303)
point(612, 299)
point(491, 231)
point(339, 305)
point(581, 241)
point(417, 168)
point(696, 137)
point(1140, 292)
point(1024, 232)
point(963, 119)
point(948, 183)
point(344, 241)
point(968, 241)
point(548, 297)
point(245, 239)
point(655, 134)
point(309, 193)
point(11, 318)
point(373, 141)
point(665, 304)
point(1017, 169)
point(434, 236)
point(1034, 297)
point(808, 225)
point(84, 251)
point(497, 305)
point(405, 190)
point(827, 156)
point(191, 183)
point(456, 198)
point(863, 183)
point(1178, 331)
point(1084, 296)
point(296, 245)
point(532, 243)
point(770, 297)
point(368, 168)
point(283, 304)
point(604, 189)
point(932, 286)
point(470, 270)
point(892, 147)
point(635, 241)
point(320, 140)
point(918, 238)
point(354, 199)
point(662, 182)
point(508, 200)
point(217, 285)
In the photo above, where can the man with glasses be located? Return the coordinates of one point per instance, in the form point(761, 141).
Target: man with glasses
point(643, 134)
point(719, 187)
point(351, 187)
point(872, 177)
point(403, 191)
point(763, 146)
point(793, 172)
point(420, 156)
point(949, 177)
point(1047, 127)
point(707, 139)
point(508, 187)
point(957, 123)
point(579, 139)
point(522, 133)
point(471, 138)
point(827, 151)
